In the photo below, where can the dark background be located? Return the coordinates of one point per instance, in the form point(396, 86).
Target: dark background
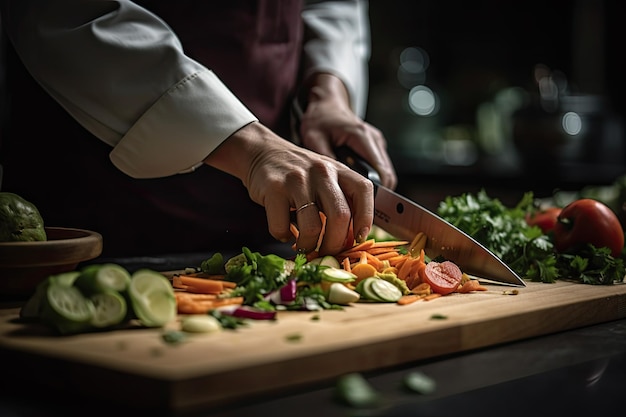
point(480, 52)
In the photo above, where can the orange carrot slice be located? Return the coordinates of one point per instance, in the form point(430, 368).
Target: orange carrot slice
point(471, 285)
point(432, 296)
point(409, 299)
point(363, 271)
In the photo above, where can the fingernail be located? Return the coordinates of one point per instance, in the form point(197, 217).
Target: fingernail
point(362, 235)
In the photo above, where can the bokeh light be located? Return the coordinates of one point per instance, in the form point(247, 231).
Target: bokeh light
point(572, 123)
point(423, 101)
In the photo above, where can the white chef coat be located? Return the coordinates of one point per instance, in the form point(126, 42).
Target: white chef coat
point(122, 73)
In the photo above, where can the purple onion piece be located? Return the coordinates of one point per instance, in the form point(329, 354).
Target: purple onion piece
point(248, 312)
point(288, 291)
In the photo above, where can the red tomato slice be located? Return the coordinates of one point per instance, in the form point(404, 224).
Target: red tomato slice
point(443, 277)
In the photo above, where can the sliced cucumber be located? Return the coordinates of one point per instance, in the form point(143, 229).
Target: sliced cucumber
point(103, 277)
point(152, 298)
point(32, 307)
point(110, 309)
point(379, 290)
point(327, 260)
point(354, 390)
point(385, 290)
point(365, 289)
point(330, 261)
point(337, 275)
point(66, 309)
point(64, 278)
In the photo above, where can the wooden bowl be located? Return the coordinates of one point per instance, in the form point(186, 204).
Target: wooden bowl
point(23, 265)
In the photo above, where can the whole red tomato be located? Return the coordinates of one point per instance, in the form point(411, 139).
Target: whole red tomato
point(588, 221)
point(546, 219)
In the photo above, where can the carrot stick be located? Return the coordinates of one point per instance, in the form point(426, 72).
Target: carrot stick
point(178, 283)
point(387, 255)
point(379, 251)
point(187, 306)
point(204, 285)
point(412, 280)
point(294, 230)
point(374, 261)
point(471, 285)
point(403, 272)
point(346, 264)
point(389, 243)
point(363, 257)
point(422, 289)
point(361, 246)
point(432, 296)
point(186, 296)
point(227, 301)
point(409, 299)
point(397, 261)
point(192, 308)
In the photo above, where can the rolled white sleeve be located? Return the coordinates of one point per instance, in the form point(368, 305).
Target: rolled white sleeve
point(122, 74)
point(337, 41)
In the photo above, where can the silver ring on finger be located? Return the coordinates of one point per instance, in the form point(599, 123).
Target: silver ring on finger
point(302, 207)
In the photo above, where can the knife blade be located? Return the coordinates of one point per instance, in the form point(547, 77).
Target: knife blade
point(404, 219)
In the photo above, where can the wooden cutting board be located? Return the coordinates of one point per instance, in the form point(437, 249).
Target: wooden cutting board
point(136, 367)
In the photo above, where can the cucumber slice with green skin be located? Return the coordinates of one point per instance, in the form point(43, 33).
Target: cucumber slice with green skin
point(365, 288)
point(327, 260)
point(103, 277)
point(64, 278)
point(32, 308)
point(379, 290)
point(152, 298)
point(67, 309)
point(330, 261)
point(385, 290)
point(354, 390)
point(110, 309)
point(331, 274)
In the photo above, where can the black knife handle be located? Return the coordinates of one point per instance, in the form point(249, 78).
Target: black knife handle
point(357, 163)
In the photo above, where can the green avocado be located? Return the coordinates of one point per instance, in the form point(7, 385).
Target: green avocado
point(20, 220)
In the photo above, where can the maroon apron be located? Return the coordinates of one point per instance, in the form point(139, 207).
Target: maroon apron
point(49, 159)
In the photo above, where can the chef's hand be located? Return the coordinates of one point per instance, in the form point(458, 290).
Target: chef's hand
point(286, 178)
point(328, 123)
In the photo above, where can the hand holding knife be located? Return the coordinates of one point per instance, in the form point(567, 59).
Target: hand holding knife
point(403, 219)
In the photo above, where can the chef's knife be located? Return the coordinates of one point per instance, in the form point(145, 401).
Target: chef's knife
point(404, 219)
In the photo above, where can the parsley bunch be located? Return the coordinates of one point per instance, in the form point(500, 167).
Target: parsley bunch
point(504, 231)
point(526, 249)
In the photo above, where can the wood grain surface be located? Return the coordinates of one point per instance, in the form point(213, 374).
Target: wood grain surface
point(136, 367)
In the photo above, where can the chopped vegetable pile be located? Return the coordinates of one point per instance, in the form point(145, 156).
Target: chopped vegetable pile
point(254, 286)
